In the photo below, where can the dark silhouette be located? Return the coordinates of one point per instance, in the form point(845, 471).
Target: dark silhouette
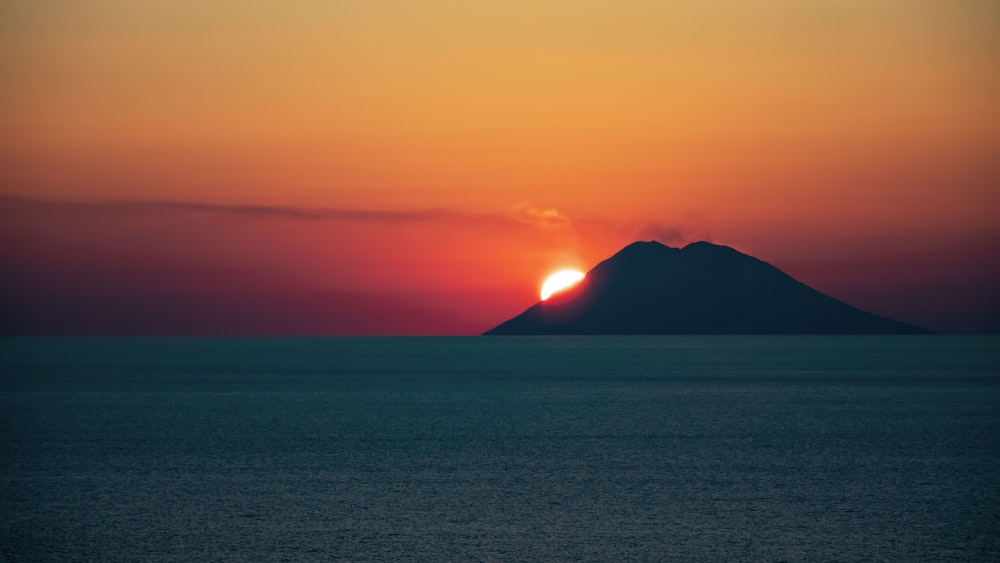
point(703, 288)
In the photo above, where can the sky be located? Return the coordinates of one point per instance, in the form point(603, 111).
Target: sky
point(420, 166)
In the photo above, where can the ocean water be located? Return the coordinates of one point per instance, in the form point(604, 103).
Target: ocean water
point(501, 449)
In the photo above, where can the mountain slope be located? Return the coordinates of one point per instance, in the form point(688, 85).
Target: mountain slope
point(703, 288)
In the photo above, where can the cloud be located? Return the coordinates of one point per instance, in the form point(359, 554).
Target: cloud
point(520, 215)
point(26, 204)
point(546, 218)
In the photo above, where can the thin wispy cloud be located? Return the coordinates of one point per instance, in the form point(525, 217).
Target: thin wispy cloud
point(521, 215)
point(548, 218)
point(26, 204)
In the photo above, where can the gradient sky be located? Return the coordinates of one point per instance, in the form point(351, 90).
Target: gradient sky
point(419, 166)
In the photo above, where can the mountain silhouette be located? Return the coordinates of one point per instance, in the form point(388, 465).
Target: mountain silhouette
point(703, 288)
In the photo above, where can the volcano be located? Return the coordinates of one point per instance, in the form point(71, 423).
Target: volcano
point(703, 288)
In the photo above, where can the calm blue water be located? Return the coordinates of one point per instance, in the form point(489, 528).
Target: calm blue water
point(502, 448)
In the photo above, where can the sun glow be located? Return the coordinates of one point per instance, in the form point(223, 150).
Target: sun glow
point(559, 281)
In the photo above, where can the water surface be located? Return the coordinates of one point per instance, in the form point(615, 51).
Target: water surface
point(501, 448)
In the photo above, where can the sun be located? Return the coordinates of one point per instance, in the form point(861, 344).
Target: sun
point(560, 281)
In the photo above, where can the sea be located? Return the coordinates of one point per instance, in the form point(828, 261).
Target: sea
point(651, 448)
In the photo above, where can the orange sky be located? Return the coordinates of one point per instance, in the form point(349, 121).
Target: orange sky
point(453, 153)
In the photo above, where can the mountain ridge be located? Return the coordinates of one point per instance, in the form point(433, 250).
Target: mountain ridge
point(703, 288)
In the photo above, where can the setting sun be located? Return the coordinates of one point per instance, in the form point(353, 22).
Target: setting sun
point(560, 281)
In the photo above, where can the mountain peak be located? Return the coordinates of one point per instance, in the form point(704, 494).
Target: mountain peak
point(703, 288)
point(646, 244)
point(705, 245)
